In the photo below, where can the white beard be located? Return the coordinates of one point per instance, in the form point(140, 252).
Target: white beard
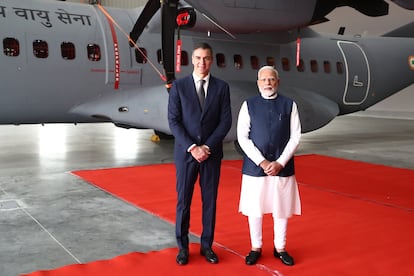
point(268, 93)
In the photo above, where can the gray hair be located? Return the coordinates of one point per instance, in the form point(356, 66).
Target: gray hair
point(268, 67)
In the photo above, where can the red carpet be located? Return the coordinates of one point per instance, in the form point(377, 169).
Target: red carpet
point(357, 219)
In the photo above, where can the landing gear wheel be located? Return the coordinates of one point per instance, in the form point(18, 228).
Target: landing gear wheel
point(162, 135)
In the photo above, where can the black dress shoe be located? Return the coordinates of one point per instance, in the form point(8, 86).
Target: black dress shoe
point(209, 254)
point(284, 257)
point(253, 256)
point(182, 257)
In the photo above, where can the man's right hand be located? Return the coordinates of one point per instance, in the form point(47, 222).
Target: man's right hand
point(200, 153)
point(271, 168)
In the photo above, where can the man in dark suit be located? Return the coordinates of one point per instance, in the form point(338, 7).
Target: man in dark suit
point(199, 129)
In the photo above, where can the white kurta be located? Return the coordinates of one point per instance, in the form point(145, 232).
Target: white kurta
point(268, 194)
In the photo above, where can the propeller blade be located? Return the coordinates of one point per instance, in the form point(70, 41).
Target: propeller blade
point(151, 7)
point(169, 9)
point(168, 16)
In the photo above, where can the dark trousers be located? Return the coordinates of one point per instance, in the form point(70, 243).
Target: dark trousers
point(209, 175)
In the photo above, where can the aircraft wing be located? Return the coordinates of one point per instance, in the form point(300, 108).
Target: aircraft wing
point(241, 16)
point(315, 110)
point(406, 4)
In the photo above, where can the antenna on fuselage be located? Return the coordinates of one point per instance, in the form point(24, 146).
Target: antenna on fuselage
point(218, 26)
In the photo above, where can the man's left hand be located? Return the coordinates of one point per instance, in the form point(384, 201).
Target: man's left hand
point(273, 168)
point(200, 153)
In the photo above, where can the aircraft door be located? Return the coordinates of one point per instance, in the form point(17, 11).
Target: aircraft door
point(119, 66)
point(357, 73)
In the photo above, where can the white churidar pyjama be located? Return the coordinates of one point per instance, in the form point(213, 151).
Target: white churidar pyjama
point(279, 231)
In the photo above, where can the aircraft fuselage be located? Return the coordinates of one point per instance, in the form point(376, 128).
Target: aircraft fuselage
point(74, 64)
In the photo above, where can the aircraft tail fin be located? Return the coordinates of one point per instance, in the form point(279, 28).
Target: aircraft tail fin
point(403, 31)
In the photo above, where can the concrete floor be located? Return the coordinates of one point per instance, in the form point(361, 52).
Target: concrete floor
point(50, 218)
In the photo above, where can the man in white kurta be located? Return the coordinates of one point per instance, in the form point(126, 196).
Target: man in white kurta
point(269, 193)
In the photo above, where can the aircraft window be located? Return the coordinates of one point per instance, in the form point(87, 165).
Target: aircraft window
point(159, 56)
point(184, 58)
point(314, 66)
point(327, 67)
point(270, 61)
point(94, 52)
point(285, 64)
point(340, 67)
point(141, 55)
point(40, 48)
point(221, 60)
point(11, 47)
point(67, 50)
point(254, 62)
point(301, 66)
point(238, 61)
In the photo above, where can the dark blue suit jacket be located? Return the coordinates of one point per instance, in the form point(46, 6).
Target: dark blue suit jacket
point(191, 125)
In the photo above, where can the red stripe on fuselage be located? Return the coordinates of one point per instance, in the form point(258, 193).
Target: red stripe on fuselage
point(117, 70)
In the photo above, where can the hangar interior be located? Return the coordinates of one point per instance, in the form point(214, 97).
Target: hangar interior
point(46, 212)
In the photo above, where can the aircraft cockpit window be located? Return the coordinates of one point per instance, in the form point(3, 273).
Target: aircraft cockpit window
point(254, 62)
point(301, 67)
point(221, 60)
point(339, 68)
point(314, 66)
point(270, 61)
point(11, 47)
point(238, 61)
point(285, 64)
point(94, 52)
point(327, 67)
point(67, 50)
point(40, 48)
point(141, 55)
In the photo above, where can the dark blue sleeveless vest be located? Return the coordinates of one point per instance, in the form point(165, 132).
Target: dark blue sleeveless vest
point(270, 132)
